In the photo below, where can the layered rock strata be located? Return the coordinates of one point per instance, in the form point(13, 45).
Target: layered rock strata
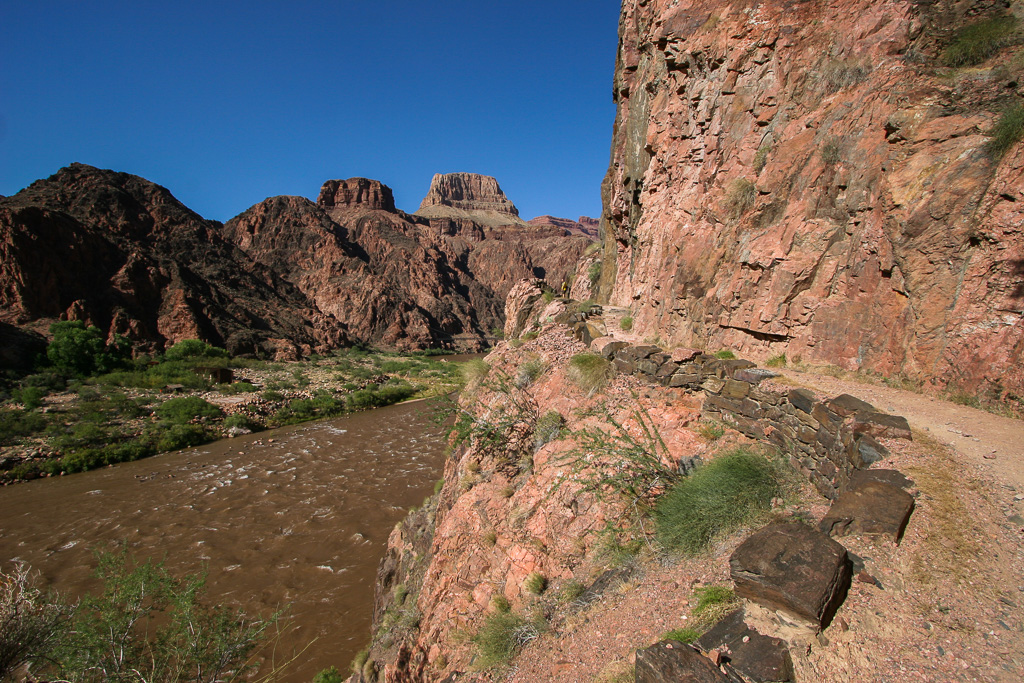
point(806, 178)
point(469, 195)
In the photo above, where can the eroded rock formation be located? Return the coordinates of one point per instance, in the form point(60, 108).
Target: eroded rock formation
point(469, 195)
point(584, 226)
point(806, 178)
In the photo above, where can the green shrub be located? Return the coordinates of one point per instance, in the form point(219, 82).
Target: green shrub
point(626, 323)
point(572, 590)
point(184, 409)
point(1007, 132)
point(682, 635)
point(535, 583)
point(499, 603)
point(725, 354)
point(529, 372)
point(739, 197)
point(80, 351)
point(30, 397)
point(194, 348)
point(359, 661)
point(236, 388)
point(590, 372)
point(724, 494)
point(330, 675)
point(272, 396)
point(586, 306)
point(474, 371)
point(242, 422)
point(778, 361)
point(977, 42)
point(548, 428)
point(711, 431)
point(548, 297)
point(178, 436)
point(594, 273)
point(530, 336)
point(712, 603)
point(16, 424)
point(501, 635)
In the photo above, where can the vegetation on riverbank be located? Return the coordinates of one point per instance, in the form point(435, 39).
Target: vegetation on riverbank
point(88, 404)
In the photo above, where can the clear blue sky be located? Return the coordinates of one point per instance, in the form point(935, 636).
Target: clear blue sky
point(227, 103)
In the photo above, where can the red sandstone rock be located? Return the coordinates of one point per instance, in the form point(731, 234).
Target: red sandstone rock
point(469, 195)
point(571, 227)
point(361, 192)
point(800, 178)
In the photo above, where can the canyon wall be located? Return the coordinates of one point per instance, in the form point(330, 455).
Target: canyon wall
point(805, 178)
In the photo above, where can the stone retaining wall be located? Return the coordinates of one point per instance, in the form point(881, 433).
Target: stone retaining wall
point(826, 440)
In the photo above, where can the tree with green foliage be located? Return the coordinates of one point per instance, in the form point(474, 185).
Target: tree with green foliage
point(80, 351)
point(184, 409)
point(194, 348)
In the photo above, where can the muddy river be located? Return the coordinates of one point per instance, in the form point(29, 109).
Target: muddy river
point(296, 517)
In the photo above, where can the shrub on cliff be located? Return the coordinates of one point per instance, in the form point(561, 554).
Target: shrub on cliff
point(501, 636)
point(590, 372)
point(977, 42)
point(728, 492)
point(739, 197)
point(1007, 132)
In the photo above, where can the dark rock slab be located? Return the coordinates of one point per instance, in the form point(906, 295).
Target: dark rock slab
point(802, 399)
point(880, 424)
point(794, 569)
point(891, 477)
point(754, 656)
point(753, 375)
point(870, 508)
point(608, 349)
point(642, 352)
point(847, 405)
point(866, 451)
point(672, 662)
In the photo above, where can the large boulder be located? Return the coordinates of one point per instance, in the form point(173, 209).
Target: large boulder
point(869, 508)
point(671, 662)
point(756, 657)
point(793, 569)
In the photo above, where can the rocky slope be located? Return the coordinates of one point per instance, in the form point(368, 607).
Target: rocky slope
point(122, 253)
point(806, 178)
point(283, 279)
point(584, 226)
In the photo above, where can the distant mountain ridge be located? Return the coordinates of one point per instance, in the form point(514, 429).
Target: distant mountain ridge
point(285, 278)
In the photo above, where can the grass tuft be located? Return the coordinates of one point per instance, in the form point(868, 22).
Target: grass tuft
point(626, 323)
point(1007, 132)
point(590, 372)
point(977, 42)
point(739, 197)
point(731, 490)
point(535, 583)
point(778, 361)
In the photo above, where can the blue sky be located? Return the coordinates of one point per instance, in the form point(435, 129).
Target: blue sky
point(227, 103)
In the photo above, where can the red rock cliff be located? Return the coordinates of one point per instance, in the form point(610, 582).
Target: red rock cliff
point(469, 195)
point(804, 177)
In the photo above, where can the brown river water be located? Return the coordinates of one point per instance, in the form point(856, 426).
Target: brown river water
point(299, 523)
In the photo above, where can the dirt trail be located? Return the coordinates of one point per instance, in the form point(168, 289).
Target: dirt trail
point(995, 443)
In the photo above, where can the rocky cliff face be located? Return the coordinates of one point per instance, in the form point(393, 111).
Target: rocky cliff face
point(805, 178)
point(469, 195)
point(584, 226)
point(282, 279)
point(122, 253)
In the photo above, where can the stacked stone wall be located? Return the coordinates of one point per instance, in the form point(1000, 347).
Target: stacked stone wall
point(825, 440)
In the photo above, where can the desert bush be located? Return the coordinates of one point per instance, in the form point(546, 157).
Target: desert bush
point(16, 424)
point(713, 602)
point(474, 371)
point(331, 675)
point(236, 388)
point(272, 396)
point(548, 428)
point(586, 306)
point(572, 590)
point(194, 348)
point(178, 436)
point(32, 625)
point(594, 272)
point(626, 323)
point(529, 372)
point(30, 397)
point(535, 583)
point(722, 495)
point(761, 158)
point(184, 409)
point(841, 74)
point(831, 152)
point(501, 636)
point(975, 43)
point(1007, 132)
point(529, 336)
point(548, 297)
point(711, 431)
point(241, 422)
point(739, 197)
point(590, 372)
point(725, 354)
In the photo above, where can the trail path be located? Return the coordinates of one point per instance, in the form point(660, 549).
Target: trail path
point(993, 442)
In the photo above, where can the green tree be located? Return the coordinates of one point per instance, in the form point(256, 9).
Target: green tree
point(81, 351)
point(194, 348)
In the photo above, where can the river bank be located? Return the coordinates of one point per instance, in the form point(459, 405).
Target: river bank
point(127, 415)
